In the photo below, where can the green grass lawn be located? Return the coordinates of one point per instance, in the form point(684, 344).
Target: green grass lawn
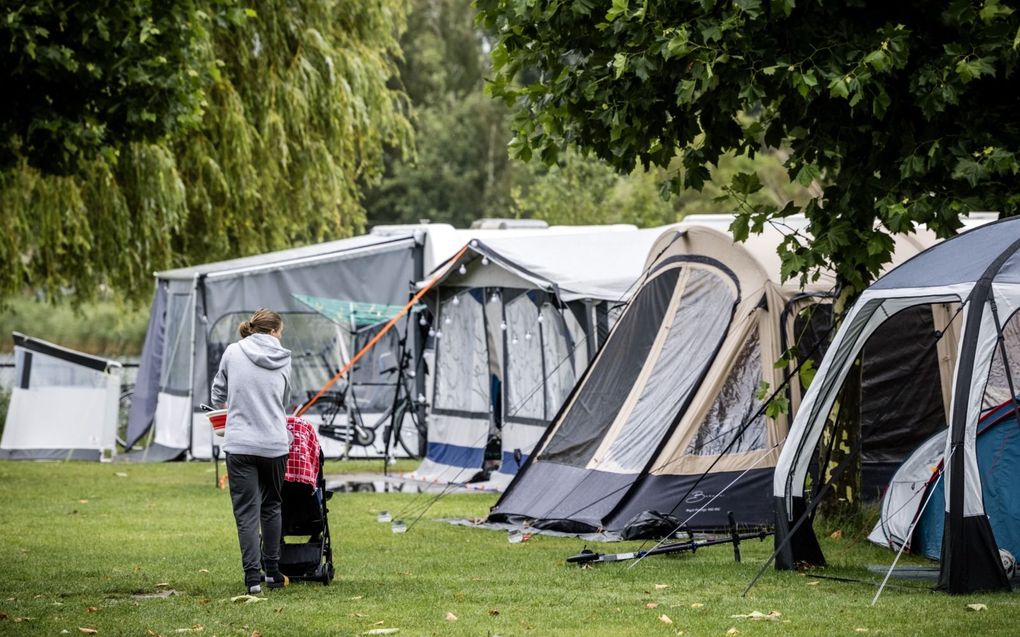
point(79, 543)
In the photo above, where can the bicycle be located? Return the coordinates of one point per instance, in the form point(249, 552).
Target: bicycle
point(402, 422)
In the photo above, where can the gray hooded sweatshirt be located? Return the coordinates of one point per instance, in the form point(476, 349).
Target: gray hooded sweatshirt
point(253, 382)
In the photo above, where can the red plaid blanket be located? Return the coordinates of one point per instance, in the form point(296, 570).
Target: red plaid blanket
point(303, 461)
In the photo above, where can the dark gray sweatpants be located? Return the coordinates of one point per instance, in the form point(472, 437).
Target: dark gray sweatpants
point(256, 484)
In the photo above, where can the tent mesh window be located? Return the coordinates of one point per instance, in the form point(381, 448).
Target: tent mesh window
point(314, 342)
point(462, 375)
point(175, 377)
point(525, 398)
point(620, 361)
point(565, 353)
point(694, 336)
point(734, 406)
point(997, 387)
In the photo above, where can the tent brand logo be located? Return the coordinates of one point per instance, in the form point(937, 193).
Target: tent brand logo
point(699, 496)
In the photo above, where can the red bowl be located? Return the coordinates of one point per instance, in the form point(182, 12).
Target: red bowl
point(218, 420)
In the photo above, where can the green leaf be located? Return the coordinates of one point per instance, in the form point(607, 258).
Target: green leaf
point(777, 406)
point(619, 8)
point(838, 87)
point(969, 170)
point(878, 60)
point(619, 64)
point(745, 183)
point(971, 69)
point(992, 10)
point(807, 174)
point(784, 6)
point(677, 46)
point(807, 373)
point(739, 227)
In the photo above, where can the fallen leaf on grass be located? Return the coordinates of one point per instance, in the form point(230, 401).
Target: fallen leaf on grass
point(197, 628)
point(733, 631)
point(83, 502)
point(837, 534)
point(773, 615)
point(977, 607)
point(494, 612)
point(813, 583)
point(120, 474)
point(18, 620)
point(665, 619)
point(91, 609)
point(359, 615)
point(382, 631)
point(697, 605)
point(247, 599)
point(256, 633)
point(379, 623)
point(151, 633)
point(3, 616)
point(659, 587)
point(651, 605)
point(356, 597)
point(450, 617)
point(87, 631)
point(203, 570)
point(860, 630)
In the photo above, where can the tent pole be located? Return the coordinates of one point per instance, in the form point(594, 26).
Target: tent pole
point(807, 514)
point(1005, 360)
point(903, 545)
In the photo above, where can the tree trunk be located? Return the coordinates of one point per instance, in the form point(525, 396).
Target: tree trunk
point(844, 500)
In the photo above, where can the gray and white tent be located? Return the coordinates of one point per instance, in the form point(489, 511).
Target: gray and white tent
point(976, 277)
point(196, 311)
point(63, 404)
point(516, 320)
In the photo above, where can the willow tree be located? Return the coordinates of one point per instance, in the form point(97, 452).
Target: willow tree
point(140, 135)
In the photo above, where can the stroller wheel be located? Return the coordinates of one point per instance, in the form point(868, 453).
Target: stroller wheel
point(327, 574)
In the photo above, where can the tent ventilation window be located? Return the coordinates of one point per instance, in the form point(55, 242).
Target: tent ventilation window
point(997, 388)
point(736, 402)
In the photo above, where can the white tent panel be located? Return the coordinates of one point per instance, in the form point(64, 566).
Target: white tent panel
point(172, 421)
point(905, 497)
point(63, 401)
point(62, 418)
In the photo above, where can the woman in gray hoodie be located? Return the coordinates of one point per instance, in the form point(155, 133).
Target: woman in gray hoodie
point(253, 383)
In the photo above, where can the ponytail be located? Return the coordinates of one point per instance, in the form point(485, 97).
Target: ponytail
point(262, 321)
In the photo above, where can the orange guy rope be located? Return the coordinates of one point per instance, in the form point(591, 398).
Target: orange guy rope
point(375, 339)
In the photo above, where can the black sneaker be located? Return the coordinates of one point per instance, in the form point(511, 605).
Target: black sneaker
point(278, 580)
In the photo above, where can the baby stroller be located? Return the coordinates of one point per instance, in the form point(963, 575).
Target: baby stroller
point(305, 514)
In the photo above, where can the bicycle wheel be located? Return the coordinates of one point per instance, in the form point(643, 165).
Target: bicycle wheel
point(410, 433)
point(123, 411)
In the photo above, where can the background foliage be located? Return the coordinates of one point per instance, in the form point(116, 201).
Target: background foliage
point(138, 135)
point(904, 112)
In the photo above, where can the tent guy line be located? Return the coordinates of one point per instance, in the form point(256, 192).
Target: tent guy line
point(375, 339)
